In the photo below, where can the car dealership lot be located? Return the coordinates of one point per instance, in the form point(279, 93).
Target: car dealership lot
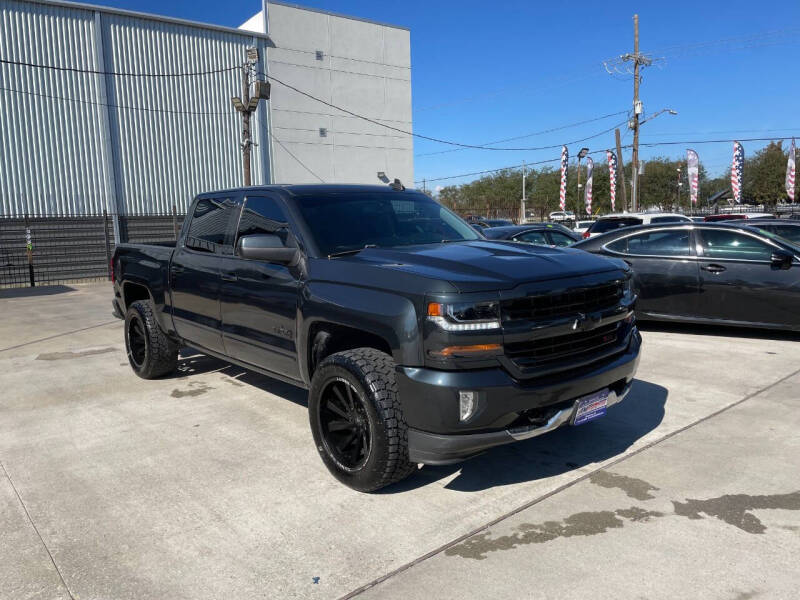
point(207, 483)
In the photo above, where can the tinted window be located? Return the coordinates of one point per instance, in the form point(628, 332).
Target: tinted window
point(262, 215)
point(668, 219)
point(789, 232)
point(559, 239)
point(348, 221)
point(655, 243)
point(532, 237)
point(731, 244)
point(209, 224)
point(604, 225)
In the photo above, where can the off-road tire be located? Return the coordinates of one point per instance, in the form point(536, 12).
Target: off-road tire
point(160, 352)
point(371, 373)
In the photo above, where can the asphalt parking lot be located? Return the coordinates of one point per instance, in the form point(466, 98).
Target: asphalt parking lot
point(206, 484)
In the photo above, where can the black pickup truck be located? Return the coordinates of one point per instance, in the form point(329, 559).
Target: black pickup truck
point(419, 340)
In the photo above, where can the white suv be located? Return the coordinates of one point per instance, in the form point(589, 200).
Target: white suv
point(562, 215)
point(616, 221)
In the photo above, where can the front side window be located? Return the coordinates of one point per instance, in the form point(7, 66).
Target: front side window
point(346, 221)
point(787, 232)
point(262, 215)
point(532, 237)
point(209, 225)
point(654, 243)
point(561, 240)
point(720, 243)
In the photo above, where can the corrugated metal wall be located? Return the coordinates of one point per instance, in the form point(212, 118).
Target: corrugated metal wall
point(64, 151)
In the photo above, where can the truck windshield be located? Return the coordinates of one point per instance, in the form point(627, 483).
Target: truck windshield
point(343, 221)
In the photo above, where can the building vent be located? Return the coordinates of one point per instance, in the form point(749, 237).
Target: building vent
point(320, 55)
point(323, 132)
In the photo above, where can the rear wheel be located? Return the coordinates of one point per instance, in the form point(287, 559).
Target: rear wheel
point(357, 421)
point(150, 352)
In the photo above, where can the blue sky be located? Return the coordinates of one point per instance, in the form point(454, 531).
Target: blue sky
point(484, 71)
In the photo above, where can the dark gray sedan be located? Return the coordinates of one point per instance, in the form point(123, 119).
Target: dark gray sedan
point(725, 274)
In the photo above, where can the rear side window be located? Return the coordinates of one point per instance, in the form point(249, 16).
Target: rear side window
point(560, 239)
point(734, 245)
point(604, 225)
point(655, 243)
point(209, 225)
point(785, 231)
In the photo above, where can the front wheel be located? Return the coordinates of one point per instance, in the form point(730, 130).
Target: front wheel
point(357, 421)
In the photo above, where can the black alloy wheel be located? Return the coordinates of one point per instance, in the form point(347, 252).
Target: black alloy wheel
point(137, 342)
point(344, 425)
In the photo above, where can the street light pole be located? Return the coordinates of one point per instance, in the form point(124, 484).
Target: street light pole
point(522, 216)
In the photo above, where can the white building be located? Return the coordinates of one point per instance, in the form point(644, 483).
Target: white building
point(106, 109)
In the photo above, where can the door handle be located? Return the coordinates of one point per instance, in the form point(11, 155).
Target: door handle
point(225, 277)
point(712, 268)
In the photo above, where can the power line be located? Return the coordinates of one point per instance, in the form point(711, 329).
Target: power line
point(651, 144)
point(289, 152)
point(527, 135)
point(116, 73)
point(121, 106)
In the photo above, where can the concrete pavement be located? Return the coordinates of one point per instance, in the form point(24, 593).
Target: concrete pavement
point(207, 483)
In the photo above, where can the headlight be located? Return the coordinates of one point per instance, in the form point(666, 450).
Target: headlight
point(465, 316)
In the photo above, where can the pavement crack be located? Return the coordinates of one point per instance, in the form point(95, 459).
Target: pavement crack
point(51, 337)
point(36, 529)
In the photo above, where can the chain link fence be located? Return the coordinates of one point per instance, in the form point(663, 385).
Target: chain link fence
point(50, 250)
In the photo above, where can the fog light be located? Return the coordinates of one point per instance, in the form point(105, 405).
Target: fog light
point(466, 404)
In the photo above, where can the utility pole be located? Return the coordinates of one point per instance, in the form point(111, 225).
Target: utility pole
point(639, 61)
point(247, 105)
point(522, 215)
point(247, 141)
point(622, 173)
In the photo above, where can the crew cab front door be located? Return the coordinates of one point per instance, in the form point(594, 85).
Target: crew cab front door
point(259, 299)
point(195, 273)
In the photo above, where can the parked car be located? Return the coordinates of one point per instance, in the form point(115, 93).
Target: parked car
point(616, 221)
point(541, 234)
point(493, 222)
point(736, 217)
point(582, 226)
point(721, 273)
point(561, 215)
point(789, 230)
point(418, 340)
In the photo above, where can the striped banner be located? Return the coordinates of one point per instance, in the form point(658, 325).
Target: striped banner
point(736, 172)
point(588, 195)
point(790, 173)
point(563, 192)
point(693, 168)
point(612, 176)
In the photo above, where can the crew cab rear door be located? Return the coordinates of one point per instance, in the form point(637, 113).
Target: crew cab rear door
point(259, 299)
point(195, 272)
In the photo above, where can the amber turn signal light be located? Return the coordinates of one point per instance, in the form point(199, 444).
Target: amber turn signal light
point(449, 351)
point(435, 309)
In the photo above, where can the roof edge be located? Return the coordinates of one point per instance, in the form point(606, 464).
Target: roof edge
point(335, 14)
point(150, 16)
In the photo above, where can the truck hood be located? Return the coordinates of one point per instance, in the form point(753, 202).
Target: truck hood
point(475, 266)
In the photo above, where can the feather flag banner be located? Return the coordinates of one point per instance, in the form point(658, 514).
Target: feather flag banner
point(588, 193)
point(693, 168)
point(612, 176)
point(736, 172)
point(790, 172)
point(563, 192)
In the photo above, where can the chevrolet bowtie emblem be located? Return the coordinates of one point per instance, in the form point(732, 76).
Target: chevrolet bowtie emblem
point(579, 322)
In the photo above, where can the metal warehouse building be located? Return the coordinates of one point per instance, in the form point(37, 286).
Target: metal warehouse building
point(131, 114)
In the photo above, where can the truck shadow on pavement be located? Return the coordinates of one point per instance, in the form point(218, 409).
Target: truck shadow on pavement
point(192, 362)
point(563, 450)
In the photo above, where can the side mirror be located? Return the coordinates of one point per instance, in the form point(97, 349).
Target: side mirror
point(781, 259)
point(266, 247)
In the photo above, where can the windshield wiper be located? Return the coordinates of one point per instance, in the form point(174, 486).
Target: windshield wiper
point(353, 251)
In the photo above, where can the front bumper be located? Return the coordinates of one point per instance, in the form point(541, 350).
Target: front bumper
point(508, 410)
